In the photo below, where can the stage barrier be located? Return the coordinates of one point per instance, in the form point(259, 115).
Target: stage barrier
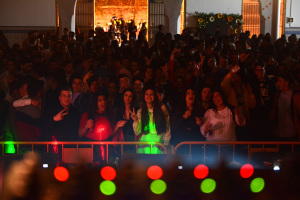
point(248, 146)
point(69, 148)
point(80, 149)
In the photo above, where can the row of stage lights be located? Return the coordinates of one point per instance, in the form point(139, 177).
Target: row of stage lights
point(158, 186)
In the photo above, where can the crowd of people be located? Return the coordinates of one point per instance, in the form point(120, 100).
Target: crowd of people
point(194, 87)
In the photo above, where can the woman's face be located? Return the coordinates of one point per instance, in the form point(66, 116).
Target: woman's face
point(112, 88)
point(101, 104)
point(94, 87)
point(206, 94)
point(138, 86)
point(149, 74)
point(217, 99)
point(149, 96)
point(127, 97)
point(190, 96)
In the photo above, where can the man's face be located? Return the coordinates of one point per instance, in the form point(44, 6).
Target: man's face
point(134, 67)
point(282, 84)
point(124, 83)
point(27, 67)
point(11, 67)
point(69, 68)
point(65, 98)
point(76, 85)
point(260, 72)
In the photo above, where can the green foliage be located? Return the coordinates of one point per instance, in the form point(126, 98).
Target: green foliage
point(204, 18)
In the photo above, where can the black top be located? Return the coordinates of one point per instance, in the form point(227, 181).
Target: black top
point(64, 130)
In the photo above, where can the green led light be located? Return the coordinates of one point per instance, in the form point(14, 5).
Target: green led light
point(208, 185)
point(9, 147)
point(158, 186)
point(257, 185)
point(107, 187)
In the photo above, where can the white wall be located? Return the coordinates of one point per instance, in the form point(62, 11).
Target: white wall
point(266, 18)
point(27, 13)
point(294, 12)
point(207, 6)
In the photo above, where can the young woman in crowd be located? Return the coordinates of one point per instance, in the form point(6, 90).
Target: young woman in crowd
point(124, 114)
point(220, 121)
point(96, 125)
point(186, 120)
point(151, 123)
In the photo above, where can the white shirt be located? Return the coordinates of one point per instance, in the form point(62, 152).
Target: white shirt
point(223, 125)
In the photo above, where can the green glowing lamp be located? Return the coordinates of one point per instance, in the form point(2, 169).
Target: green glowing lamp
point(108, 187)
point(257, 185)
point(208, 185)
point(158, 186)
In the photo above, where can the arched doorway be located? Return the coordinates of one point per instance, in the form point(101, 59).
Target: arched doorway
point(100, 13)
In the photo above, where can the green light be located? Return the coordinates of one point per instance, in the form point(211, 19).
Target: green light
point(257, 185)
point(158, 186)
point(107, 187)
point(9, 147)
point(150, 127)
point(208, 185)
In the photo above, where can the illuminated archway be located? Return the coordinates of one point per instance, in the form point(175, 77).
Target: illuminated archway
point(105, 10)
point(251, 16)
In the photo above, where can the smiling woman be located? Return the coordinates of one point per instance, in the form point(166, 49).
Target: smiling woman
point(151, 123)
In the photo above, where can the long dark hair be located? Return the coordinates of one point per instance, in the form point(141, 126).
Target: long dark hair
point(196, 103)
point(158, 115)
point(220, 91)
point(92, 110)
point(122, 106)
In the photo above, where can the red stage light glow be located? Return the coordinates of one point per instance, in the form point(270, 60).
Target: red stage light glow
point(154, 172)
point(246, 171)
point(54, 143)
point(61, 174)
point(201, 171)
point(108, 173)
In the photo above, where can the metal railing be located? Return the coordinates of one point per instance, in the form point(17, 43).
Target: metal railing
point(252, 147)
point(77, 144)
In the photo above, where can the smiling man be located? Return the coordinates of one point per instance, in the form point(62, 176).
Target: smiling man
point(62, 120)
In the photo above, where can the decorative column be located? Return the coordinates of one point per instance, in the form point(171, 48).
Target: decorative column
point(66, 10)
point(172, 11)
point(275, 21)
point(251, 16)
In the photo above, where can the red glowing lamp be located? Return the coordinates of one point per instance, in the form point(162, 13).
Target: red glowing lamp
point(201, 171)
point(154, 172)
point(108, 173)
point(61, 174)
point(246, 171)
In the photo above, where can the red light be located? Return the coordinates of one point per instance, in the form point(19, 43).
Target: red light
point(201, 171)
point(154, 172)
point(108, 173)
point(61, 173)
point(100, 129)
point(246, 171)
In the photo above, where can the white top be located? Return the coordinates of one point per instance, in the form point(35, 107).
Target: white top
point(223, 125)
